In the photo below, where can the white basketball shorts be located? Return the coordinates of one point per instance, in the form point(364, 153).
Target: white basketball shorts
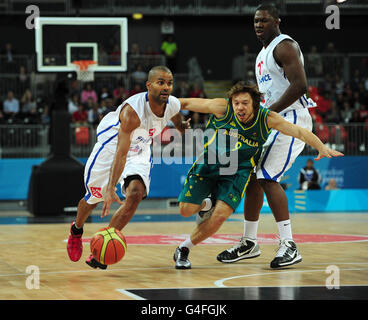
point(280, 151)
point(97, 171)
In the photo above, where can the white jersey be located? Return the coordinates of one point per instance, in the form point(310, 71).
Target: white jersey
point(271, 78)
point(151, 125)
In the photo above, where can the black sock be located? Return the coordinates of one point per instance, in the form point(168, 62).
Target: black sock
point(76, 231)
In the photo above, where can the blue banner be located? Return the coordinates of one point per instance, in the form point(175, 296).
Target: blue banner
point(167, 180)
point(14, 177)
point(346, 200)
point(350, 172)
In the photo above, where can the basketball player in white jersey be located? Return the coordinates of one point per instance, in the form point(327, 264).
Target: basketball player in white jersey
point(281, 79)
point(123, 154)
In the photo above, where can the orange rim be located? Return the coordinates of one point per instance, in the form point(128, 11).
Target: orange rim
point(84, 64)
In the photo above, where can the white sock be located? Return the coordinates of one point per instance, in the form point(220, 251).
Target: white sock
point(250, 229)
point(75, 225)
point(207, 204)
point(187, 243)
point(285, 229)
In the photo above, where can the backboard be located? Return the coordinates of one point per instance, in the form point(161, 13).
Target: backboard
point(61, 40)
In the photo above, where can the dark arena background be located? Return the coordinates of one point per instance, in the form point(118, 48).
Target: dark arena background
point(49, 112)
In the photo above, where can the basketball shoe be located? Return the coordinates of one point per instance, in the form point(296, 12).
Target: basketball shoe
point(181, 258)
point(244, 249)
point(202, 216)
point(286, 255)
point(92, 262)
point(75, 246)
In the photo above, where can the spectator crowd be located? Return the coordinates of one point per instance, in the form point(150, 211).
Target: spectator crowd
point(339, 102)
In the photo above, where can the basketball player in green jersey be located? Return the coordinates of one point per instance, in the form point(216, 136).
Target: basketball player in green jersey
point(242, 117)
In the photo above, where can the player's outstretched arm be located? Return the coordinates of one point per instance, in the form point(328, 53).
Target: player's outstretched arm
point(129, 121)
point(216, 106)
point(275, 121)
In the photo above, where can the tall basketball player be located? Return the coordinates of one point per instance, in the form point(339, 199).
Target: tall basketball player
point(123, 154)
point(281, 79)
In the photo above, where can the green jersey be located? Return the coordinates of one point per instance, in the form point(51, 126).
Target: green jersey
point(229, 135)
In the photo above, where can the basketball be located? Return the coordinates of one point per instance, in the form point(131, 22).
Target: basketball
point(108, 246)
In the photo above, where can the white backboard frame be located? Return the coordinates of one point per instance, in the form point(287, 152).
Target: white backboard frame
point(121, 22)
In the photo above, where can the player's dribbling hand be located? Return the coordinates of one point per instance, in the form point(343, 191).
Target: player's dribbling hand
point(328, 153)
point(109, 199)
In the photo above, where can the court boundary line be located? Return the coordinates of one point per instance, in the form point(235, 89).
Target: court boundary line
point(219, 283)
point(282, 286)
point(127, 292)
point(130, 294)
point(172, 268)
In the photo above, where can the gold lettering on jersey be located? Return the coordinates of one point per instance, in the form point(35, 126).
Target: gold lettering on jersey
point(241, 138)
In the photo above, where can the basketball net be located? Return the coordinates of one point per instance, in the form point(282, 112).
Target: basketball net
point(84, 70)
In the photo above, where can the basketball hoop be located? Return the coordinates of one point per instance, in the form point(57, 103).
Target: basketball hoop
point(84, 70)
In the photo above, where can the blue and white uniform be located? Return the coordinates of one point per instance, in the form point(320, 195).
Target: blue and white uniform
point(139, 158)
point(279, 151)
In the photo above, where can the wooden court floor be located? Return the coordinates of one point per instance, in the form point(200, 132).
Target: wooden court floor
point(149, 268)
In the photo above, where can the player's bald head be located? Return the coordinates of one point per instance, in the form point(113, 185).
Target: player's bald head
point(156, 70)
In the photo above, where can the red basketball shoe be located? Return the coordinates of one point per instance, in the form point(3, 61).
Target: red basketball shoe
point(74, 246)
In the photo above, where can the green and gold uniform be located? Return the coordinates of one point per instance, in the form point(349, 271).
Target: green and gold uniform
point(204, 176)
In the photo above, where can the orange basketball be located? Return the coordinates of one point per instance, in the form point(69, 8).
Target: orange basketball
point(108, 246)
